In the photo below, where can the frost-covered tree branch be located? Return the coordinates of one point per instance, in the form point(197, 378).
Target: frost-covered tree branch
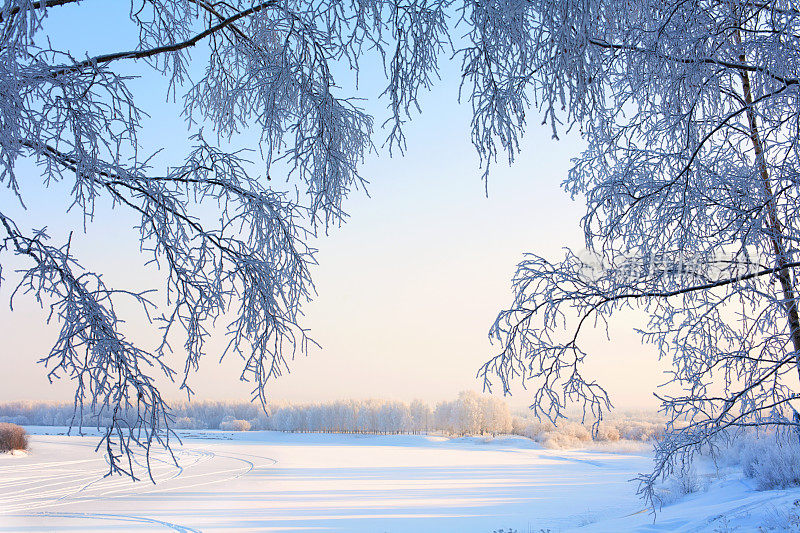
point(228, 244)
point(111, 373)
point(690, 115)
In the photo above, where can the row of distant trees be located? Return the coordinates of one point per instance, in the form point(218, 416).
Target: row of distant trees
point(469, 414)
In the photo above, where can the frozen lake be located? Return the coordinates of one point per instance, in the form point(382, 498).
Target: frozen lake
point(266, 481)
point(270, 481)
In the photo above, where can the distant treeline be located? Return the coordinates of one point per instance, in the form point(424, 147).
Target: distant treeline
point(469, 414)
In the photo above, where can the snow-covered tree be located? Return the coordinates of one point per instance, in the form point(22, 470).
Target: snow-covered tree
point(472, 414)
point(690, 113)
point(421, 416)
point(226, 242)
point(497, 416)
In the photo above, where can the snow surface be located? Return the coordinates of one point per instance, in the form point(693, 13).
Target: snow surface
point(268, 481)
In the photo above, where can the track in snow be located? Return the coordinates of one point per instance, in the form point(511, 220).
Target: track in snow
point(37, 490)
point(322, 483)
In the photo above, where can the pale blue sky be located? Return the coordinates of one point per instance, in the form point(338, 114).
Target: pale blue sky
point(407, 288)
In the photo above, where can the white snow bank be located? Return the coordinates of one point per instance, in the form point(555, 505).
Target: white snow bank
point(268, 481)
point(733, 504)
point(272, 481)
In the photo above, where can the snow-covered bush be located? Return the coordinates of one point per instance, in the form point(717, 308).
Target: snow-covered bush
point(184, 422)
point(770, 458)
point(630, 428)
point(786, 518)
point(232, 424)
point(607, 433)
point(565, 435)
point(772, 461)
point(641, 430)
point(676, 487)
point(12, 437)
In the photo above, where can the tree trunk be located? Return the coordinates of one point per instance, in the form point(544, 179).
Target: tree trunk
point(775, 226)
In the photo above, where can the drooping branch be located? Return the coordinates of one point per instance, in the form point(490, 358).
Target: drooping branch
point(174, 47)
point(90, 349)
point(741, 65)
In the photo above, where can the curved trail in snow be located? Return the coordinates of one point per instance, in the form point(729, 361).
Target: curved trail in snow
point(113, 518)
point(51, 484)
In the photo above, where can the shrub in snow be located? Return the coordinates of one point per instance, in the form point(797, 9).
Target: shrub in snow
point(783, 518)
point(566, 435)
point(773, 462)
point(607, 433)
point(626, 427)
point(641, 430)
point(679, 485)
point(12, 437)
point(184, 422)
point(771, 459)
point(234, 425)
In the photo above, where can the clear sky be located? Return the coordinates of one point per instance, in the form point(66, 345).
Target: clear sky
point(407, 289)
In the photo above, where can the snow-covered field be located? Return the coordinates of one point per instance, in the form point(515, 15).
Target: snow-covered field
point(268, 481)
